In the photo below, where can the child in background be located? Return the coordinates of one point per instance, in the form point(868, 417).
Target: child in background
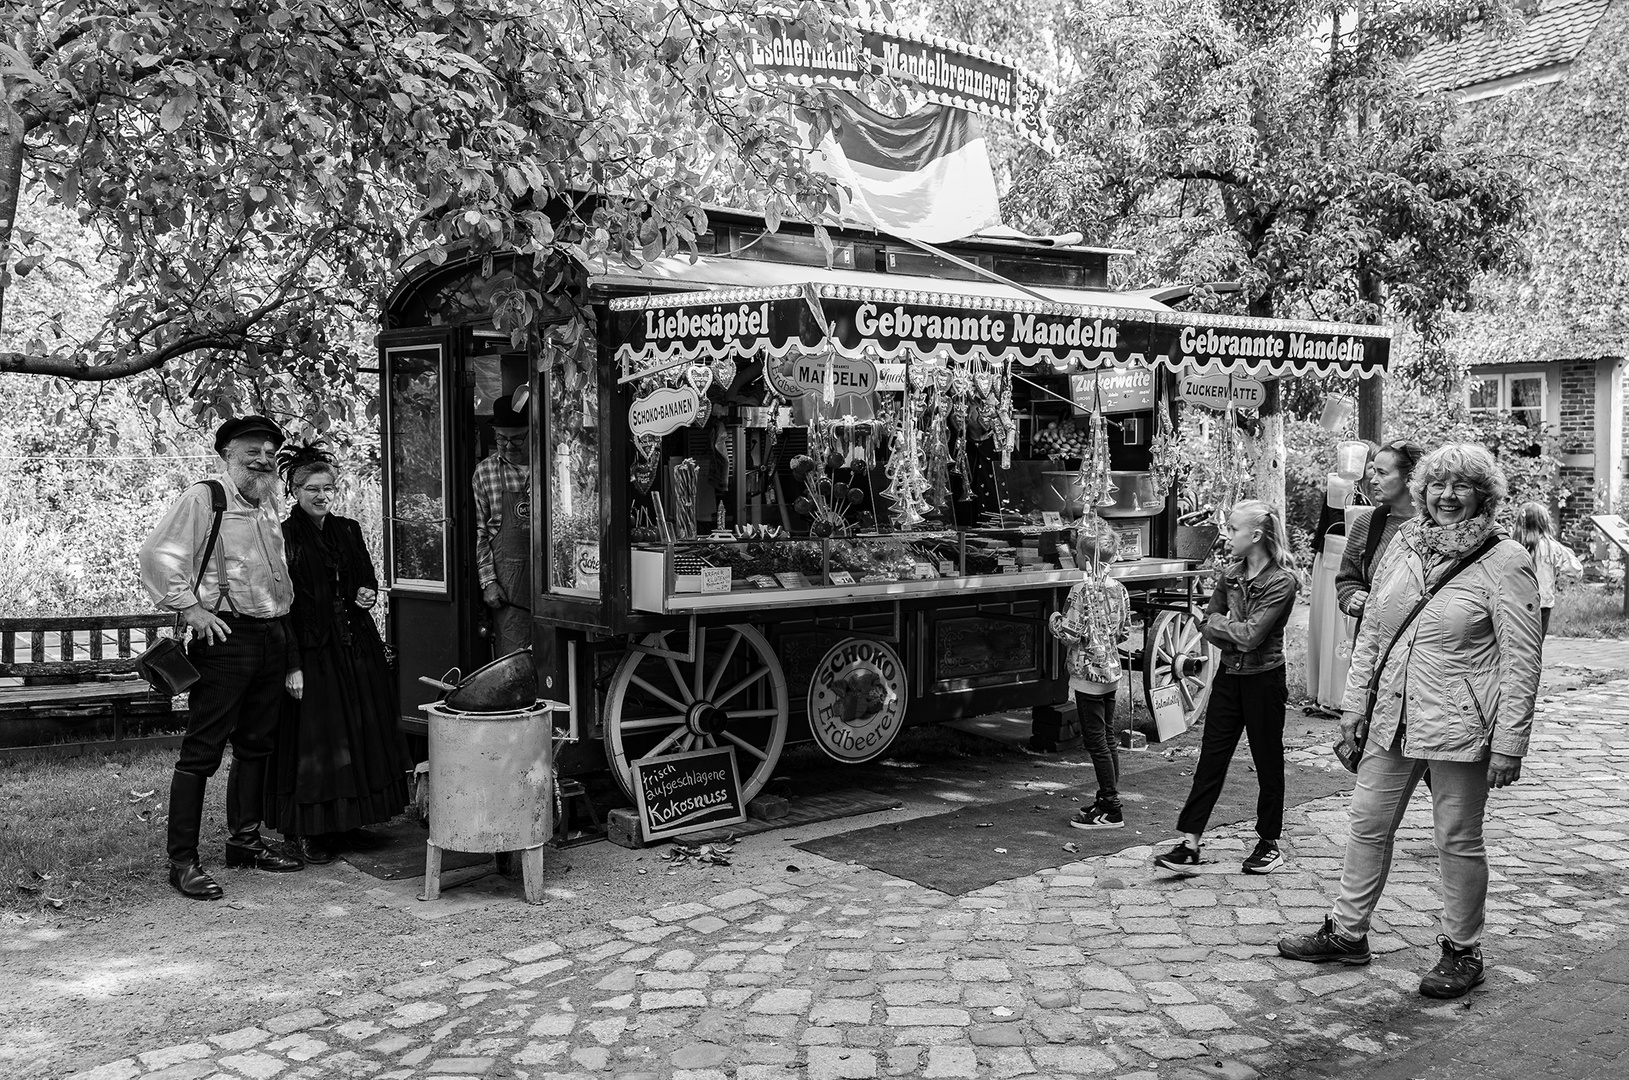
point(1095, 619)
point(1552, 560)
point(1245, 620)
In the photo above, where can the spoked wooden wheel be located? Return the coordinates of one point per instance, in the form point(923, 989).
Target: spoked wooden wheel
point(1177, 653)
point(732, 694)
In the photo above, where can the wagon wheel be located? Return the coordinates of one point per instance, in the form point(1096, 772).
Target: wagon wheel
point(732, 694)
point(1176, 652)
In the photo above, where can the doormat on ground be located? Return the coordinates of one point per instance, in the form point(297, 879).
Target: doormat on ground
point(803, 810)
point(977, 846)
point(403, 854)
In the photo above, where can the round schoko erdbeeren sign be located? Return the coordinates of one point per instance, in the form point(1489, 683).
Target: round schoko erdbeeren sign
point(857, 700)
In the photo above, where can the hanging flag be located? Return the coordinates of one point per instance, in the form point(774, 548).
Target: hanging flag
point(925, 175)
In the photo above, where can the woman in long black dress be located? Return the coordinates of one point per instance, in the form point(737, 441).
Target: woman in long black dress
point(341, 762)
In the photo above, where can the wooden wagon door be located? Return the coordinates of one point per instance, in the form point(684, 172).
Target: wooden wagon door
point(426, 552)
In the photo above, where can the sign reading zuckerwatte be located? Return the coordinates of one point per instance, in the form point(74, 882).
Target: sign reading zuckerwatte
point(1215, 391)
point(684, 793)
point(857, 700)
point(896, 329)
point(1119, 391)
point(951, 73)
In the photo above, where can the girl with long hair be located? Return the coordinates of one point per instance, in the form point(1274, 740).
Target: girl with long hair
point(1245, 620)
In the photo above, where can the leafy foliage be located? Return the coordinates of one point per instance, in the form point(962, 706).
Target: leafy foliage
point(1527, 457)
point(1570, 139)
point(256, 171)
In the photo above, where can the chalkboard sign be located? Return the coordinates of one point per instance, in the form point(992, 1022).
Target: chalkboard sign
point(684, 793)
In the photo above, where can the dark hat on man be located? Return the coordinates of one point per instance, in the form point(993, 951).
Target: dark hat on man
point(239, 426)
point(505, 417)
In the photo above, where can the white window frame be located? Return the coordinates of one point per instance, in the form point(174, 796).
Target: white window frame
point(1504, 379)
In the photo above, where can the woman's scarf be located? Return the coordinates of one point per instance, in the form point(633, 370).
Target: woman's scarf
point(1443, 545)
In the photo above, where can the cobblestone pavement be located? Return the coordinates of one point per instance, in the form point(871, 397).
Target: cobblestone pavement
point(1102, 967)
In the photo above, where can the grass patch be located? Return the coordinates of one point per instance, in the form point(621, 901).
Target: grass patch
point(1588, 611)
point(86, 832)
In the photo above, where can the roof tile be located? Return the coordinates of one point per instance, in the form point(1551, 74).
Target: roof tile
point(1555, 34)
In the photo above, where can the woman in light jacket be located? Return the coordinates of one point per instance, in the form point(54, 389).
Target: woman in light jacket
point(1455, 694)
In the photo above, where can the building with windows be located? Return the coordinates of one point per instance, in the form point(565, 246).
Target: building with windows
point(1548, 345)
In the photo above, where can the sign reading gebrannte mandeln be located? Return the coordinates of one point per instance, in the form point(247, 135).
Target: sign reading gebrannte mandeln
point(944, 72)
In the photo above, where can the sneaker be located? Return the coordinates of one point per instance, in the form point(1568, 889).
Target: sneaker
point(1324, 946)
point(1182, 860)
point(1456, 973)
point(1098, 816)
point(1265, 859)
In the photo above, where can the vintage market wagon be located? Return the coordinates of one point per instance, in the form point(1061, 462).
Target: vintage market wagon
point(780, 495)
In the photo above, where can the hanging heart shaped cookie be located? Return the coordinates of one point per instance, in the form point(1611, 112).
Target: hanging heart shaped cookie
point(724, 372)
point(699, 376)
point(703, 412)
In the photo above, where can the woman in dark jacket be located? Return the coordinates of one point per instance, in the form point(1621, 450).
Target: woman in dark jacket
point(341, 762)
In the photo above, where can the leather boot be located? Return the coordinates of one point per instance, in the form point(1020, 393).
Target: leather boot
point(314, 850)
point(186, 817)
point(245, 792)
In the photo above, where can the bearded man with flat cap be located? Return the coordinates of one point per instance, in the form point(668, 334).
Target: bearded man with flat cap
point(235, 608)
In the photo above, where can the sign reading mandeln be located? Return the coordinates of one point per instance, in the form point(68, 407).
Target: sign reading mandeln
point(857, 700)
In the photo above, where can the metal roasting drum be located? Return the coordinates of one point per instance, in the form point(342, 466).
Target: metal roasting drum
point(507, 684)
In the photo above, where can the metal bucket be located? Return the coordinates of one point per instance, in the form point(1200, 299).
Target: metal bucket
point(491, 777)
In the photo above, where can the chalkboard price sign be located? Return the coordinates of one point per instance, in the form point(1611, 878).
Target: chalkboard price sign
point(685, 793)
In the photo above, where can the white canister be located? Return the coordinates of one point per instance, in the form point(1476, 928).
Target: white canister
point(1338, 490)
point(1338, 409)
point(1351, 459)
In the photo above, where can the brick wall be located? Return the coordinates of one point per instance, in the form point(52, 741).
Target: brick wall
point(1578, 406)
point(1578, 410)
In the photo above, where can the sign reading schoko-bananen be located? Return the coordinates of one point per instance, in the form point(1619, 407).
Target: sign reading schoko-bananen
point(857, 700)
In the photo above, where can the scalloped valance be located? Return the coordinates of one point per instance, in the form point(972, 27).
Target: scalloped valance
point(652, 333)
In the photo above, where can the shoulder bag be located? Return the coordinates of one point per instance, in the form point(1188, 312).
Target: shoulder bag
point(1350, 761)
point(164, 663)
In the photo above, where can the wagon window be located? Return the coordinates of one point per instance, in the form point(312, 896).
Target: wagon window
point(417, 497)
point(571, 461)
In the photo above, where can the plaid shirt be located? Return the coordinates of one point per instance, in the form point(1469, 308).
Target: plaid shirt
point(494, 476)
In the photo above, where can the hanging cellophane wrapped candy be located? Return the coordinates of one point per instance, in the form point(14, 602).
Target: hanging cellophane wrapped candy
point(1166, 454)
point(1096, 487)
point(907, 467)
point(938, 440)
point(961, 396)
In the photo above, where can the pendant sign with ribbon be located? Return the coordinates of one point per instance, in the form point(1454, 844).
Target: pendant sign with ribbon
point(1214, 392)
point(814, 373)
point(667, 409)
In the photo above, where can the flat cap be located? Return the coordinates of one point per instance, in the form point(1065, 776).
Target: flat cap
point(253, 424)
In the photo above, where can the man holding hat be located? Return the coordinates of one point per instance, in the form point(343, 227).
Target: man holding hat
point(236, 609)
point(503, 527)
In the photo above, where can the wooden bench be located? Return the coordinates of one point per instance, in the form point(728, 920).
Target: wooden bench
point(72, 681)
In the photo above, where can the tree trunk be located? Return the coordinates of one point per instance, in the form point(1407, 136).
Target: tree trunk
point(11, 180)
point(1266, 450)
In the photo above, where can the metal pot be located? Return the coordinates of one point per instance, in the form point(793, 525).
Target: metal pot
point(507, 684)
